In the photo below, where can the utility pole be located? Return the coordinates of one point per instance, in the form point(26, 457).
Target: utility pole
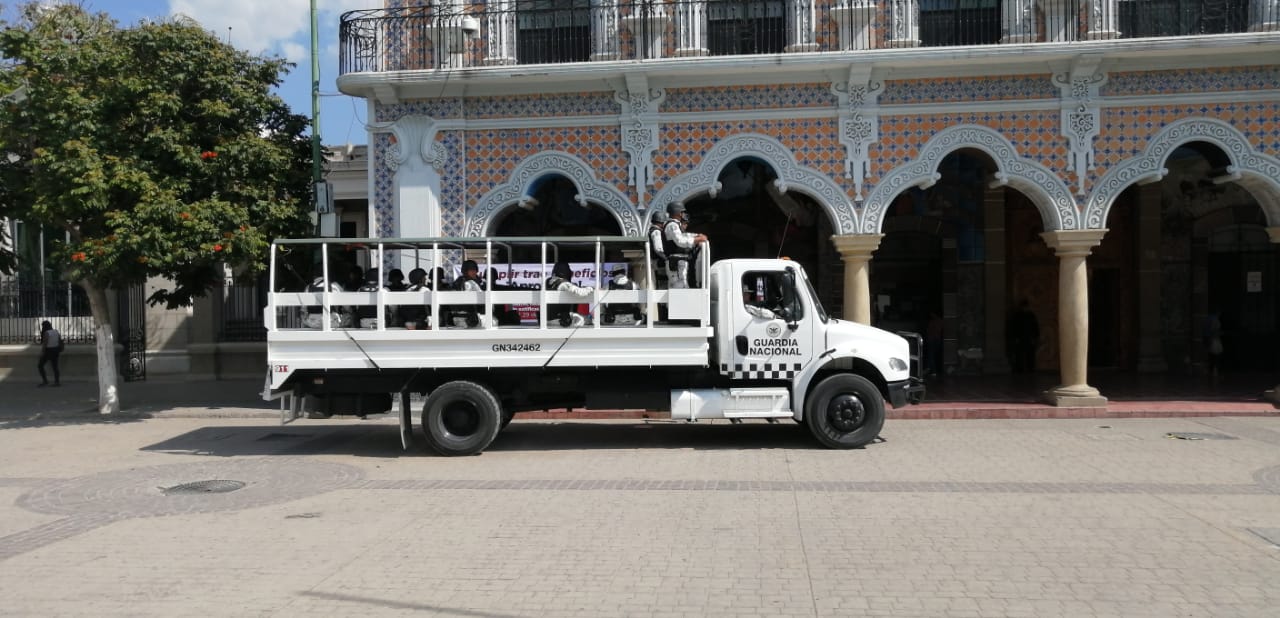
point(326, 220)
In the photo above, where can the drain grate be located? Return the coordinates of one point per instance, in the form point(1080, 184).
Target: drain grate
point(1190, 435)
point(203, 487)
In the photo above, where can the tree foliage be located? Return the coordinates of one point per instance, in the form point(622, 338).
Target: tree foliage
point(160, 149)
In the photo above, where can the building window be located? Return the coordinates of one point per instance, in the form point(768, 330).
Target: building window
point(946, 23)
point(746, 27)
point(1148, 18)
point(553, 31)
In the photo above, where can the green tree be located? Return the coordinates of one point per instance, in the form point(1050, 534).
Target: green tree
point(161, 150)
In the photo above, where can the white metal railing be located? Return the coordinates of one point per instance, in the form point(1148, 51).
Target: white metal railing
point(323, 294)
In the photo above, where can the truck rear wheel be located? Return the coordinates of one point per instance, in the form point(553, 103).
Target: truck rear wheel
point(845, 411)
point(461, 418)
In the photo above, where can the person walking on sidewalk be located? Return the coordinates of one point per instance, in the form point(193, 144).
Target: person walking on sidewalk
point(50, 348)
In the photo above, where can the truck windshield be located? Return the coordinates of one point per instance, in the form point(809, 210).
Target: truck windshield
point(813, 296)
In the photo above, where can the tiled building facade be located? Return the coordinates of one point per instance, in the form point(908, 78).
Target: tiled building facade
point(1054, 159)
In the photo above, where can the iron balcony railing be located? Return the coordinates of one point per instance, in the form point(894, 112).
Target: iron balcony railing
point(456, 34)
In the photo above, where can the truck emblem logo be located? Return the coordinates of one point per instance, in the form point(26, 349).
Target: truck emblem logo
point(773, 330)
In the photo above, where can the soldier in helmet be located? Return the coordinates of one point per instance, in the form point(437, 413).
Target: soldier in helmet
point(470, 281)
point(561, 280)
point(679, 246)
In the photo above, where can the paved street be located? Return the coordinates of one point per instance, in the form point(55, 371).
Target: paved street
point(1080, 517)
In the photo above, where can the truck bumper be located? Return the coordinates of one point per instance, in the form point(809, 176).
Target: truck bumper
point(906, 391)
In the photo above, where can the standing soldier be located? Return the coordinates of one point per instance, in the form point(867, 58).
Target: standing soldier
point(657, 251)
point(679, 246)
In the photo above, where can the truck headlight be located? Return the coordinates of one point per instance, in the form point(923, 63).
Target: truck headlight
point(897, 364)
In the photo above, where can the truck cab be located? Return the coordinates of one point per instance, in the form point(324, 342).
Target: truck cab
point(754, 342)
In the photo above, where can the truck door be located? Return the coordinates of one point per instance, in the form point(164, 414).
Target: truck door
point(772, 326)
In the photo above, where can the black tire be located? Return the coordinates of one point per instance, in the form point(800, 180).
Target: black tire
point(461, 418)
point(845, 411)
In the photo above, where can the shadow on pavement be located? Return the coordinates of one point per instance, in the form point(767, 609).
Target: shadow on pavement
point(368, 440)
point(382, 439)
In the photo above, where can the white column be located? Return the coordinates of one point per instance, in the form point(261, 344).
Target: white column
point(800, 26)
point(854, 18)
point(1264, 15)
point(691, 29)
point(1061, 21)
point(604, 30)
point(1018, 21)
point(1104, 17)
point(1072, 247)
point(856, 250)
point(500, 34)
point(417, 183)
point(904, 23)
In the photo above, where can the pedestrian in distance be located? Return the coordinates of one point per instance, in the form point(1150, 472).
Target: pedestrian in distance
point(51, 347)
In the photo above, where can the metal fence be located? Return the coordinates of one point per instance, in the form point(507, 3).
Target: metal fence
point(22, 308)
point(517, 32)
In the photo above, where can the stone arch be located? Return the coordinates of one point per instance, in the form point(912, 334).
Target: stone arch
point(1258, 173)
point(833, 199)
point(1045, 189)
point(485, 213)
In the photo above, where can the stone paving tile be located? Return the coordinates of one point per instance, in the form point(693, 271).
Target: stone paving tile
point(1004, 518)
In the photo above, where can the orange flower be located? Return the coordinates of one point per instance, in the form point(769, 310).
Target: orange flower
point(78, 256)
point(208, 154)
point(185, 215)
point(217, 247)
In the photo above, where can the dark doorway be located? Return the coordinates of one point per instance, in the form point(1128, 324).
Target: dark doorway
point(1242, 275)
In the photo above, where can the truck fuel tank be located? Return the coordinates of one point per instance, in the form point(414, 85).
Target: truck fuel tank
point(762, 402)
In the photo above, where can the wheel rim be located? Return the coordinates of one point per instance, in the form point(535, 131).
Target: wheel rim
point(460, 419)
point(846, 412)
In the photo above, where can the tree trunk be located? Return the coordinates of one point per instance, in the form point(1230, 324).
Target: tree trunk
point(108, 378)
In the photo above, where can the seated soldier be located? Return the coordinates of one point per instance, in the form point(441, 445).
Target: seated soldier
point(368, 314)
point(470, 281)
point(415, 316)
point(561, 280)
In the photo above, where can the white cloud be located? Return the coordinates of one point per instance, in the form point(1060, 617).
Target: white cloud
point(275, 26)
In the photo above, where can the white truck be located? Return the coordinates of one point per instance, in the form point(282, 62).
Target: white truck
point(751, 342)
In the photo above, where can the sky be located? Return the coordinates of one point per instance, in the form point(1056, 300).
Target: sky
point(272, 27)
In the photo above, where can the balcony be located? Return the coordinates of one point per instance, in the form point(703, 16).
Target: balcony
point(451, 35)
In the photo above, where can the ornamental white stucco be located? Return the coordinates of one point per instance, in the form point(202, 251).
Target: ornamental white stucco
point(1256, 172)
point(481, 219)
point(792, 176)
point(1044, 188)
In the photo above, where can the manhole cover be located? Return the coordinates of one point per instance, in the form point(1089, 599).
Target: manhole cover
point(203, 487)
point(1188, 435)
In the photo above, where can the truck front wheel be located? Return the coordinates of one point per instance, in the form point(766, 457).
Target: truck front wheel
point(461, 418)
point(845, 411)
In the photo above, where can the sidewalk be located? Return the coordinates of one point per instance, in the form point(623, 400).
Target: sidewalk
point(970, 397)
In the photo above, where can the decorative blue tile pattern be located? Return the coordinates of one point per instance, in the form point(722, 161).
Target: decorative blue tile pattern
point(951, 90)
point(1191, 80)
point(453, 182)
point(384, 199)
point(544, 106)
point(434, 108)
point(749, 97)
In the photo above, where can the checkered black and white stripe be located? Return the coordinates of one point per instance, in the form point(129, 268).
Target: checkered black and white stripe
point(761, 371)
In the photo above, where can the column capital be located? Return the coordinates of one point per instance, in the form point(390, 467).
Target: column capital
point(1274, 233)
point(854, 246)
point(1073, 243)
